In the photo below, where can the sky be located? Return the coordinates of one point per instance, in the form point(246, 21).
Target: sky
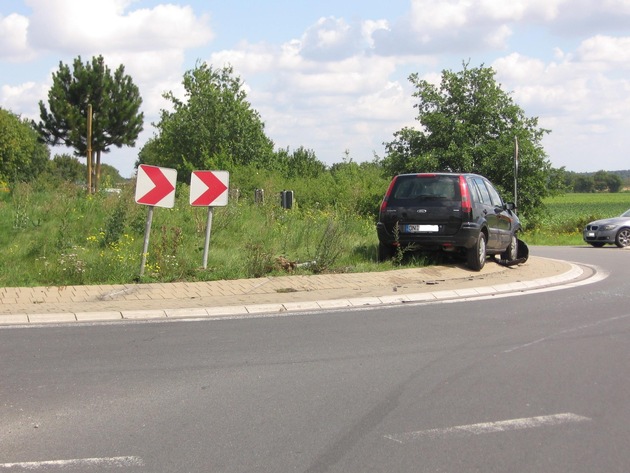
point(333, 75)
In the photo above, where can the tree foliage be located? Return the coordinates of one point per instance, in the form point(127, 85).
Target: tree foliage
point(301, 162)
point(22, 156)
point(70, 169)
point(115, 102)
point(600, 181)
point(214, 127)
point(469, 124)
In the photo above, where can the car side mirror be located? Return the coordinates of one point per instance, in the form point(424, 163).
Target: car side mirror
point(510, 206)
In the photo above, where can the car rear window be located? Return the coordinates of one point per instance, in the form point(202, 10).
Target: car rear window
point(417, 188)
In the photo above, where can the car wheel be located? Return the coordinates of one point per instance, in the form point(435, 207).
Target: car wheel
point(597, 244)
point(385, 252)
point(623, 238)
point(511, 252)
point(476, 255)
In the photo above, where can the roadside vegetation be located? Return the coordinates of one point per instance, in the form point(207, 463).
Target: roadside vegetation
point(56, 235)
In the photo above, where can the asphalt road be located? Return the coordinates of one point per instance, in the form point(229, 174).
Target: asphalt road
point(529, 383)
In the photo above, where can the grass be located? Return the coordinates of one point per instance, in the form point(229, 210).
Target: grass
point(59, 236)
point(63, 237)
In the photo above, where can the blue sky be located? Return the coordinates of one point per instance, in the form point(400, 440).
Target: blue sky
point(332, 75)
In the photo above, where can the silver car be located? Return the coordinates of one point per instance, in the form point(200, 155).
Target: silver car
point(611, 231)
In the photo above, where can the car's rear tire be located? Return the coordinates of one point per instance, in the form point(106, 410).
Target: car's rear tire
point(476, 256)
point(511, 252)
point(385, 252)
point(623, 238)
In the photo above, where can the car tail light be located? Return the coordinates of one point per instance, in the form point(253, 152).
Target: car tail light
point(387, 194)
point(463, 188)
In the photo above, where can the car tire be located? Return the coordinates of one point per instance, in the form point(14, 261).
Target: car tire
point(622, 239)
point(596, 244)
point(385, 252)
point(511, 252)
point(476, 256)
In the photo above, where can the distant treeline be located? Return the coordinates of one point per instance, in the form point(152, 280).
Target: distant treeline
point(600, 181)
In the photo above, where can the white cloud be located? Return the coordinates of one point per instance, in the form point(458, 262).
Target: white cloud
point(431, 16)
point(77, 25)
point(13, 38)
point(610, 52)
point(23, 99)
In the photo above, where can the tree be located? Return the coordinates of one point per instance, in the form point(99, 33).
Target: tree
point(606, 181)
point(469, 124)
point(615, 183)
point(68, 168)
point(213, 128)
point(22, 156)
point(301, 162)
point(584, 184)
point(115, 102)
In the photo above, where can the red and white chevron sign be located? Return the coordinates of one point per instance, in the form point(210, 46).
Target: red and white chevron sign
point(209, 188)
point(156, 186)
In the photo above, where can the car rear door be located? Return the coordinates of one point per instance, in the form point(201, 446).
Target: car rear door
point(503, 219)
point(485, 209)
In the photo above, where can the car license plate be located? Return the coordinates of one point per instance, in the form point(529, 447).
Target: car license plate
point(421, 228)
point(591, 234)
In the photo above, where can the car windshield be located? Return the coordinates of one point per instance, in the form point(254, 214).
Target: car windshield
point(626, 214)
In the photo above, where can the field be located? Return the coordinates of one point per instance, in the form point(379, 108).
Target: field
point(567, 215)
point(59, 236)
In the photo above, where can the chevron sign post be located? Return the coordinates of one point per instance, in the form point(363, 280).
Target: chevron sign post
point(155, 187)
point(209, 189)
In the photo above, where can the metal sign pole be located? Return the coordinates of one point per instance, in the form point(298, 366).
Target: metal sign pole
point(147, 232)
point(207, 243)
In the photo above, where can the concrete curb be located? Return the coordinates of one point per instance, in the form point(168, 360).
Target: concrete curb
point(574, 274)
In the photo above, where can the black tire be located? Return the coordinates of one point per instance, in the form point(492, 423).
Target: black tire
point(623, 237)
point(385, 252)
point(596, 244)
point(476, 256)
point(511, 252)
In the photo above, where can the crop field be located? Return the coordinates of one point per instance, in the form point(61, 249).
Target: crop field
point(566, 216)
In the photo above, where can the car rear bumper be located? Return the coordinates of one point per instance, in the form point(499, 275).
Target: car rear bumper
point(466, 237)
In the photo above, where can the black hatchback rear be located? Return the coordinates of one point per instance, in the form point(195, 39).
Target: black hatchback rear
point(452, 212)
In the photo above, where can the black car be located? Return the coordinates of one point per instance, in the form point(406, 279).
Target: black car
point(452, 212)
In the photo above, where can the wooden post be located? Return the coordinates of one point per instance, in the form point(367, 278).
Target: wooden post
point(89, 148)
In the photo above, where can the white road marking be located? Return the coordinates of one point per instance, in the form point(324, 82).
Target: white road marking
point(489, 427)
point(116, 462)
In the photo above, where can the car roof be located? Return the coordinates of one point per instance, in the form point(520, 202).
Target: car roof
point(439, 174)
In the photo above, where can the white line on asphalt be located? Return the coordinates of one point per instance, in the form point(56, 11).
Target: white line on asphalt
point(489, 427)
point(116, 462)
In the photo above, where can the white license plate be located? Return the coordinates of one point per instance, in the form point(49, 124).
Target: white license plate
point(422, 228)
point(591, 234)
